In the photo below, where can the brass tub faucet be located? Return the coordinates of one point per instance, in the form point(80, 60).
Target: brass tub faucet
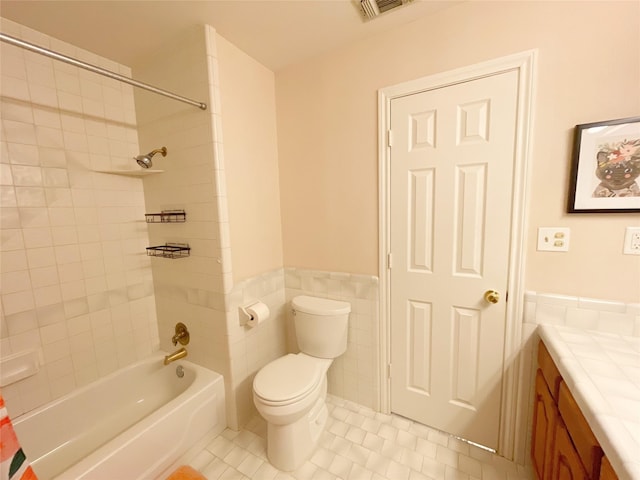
point(182, 336)
point(177, 355)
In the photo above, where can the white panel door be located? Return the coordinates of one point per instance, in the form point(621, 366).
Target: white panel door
point(451, 169)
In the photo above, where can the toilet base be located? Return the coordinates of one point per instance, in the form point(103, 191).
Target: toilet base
point(289, 446)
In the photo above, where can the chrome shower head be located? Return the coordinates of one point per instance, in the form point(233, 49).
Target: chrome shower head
point(145, 160)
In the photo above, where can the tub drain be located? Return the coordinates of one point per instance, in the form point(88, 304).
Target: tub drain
point(180, 371)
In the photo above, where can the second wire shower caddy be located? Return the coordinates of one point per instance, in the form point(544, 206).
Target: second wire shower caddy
point(168, 250)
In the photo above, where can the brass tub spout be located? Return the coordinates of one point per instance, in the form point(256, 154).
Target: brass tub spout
point(177, 355)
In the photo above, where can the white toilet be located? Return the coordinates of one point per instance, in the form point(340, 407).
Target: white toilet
point(290, 392)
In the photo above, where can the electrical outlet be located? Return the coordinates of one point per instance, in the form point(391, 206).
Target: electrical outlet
point(632, 241)
point(553, 239)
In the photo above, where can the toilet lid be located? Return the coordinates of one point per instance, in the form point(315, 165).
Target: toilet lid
point(287, 379)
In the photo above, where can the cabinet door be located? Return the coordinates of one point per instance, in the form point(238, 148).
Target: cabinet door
point(583, 439)
point(566, 462)
point(606, 472)
point(545, 416)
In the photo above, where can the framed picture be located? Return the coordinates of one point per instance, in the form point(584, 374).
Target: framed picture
point(605, 172)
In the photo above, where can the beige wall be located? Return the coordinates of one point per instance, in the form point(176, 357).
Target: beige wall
point(247, 95)
point(327, 132)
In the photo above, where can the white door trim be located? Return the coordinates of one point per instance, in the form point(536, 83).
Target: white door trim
point(514, 395)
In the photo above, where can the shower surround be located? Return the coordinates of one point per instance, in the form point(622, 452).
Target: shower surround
point(76, 284)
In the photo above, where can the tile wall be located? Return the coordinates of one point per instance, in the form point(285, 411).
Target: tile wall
point(76, 284)
point(353, 376)
point(253, 348)
point(190, 290)
point(583, 313)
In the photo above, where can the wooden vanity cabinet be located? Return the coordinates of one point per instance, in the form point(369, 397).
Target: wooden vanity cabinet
point(563, 446)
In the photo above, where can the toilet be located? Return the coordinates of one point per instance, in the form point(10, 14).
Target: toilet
point(290, 392)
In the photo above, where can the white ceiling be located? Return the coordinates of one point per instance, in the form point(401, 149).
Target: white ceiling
point(277, 33)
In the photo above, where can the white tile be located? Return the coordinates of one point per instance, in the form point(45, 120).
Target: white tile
point(355, 435)
point(250, 465)
point(358, 472)
point(265, 472)
point(37, 237)
point(392, 450)
point(21, 322)
point(25, 175)
point(398, 471)
point(220, 446)
point(201, 460)
point(446, 456)
point(15, 282)
point(412, 459)
point(601, 305)
point(470, 466)
point(341, 466)
point(552, 314)
point(322, 458)
point(358, 454)
point(18, 302)
point(378, 463)
point(21, 154)
point(46, 117)
point(388, 432)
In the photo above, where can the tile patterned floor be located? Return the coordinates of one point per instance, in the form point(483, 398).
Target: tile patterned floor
point(358, 444)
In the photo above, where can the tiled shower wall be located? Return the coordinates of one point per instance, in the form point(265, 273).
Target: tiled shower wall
point(190, 290)
point(76, 283)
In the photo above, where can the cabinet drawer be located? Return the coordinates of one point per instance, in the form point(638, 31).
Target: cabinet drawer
point(583, 438)
point(549, 370)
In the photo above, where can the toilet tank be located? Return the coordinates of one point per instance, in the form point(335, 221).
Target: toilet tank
point(321, 325)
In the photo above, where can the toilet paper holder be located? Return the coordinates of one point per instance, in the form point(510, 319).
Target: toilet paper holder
point(253, 313)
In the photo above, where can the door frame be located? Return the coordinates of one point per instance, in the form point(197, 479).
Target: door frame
point(514, 407)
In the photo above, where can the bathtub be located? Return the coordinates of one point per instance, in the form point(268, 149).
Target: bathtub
point(132, 424)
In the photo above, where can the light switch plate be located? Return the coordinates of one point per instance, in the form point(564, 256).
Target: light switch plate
point(632, 241)
point(553, 239)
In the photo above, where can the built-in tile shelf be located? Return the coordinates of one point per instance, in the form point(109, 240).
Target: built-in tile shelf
point(131, 173)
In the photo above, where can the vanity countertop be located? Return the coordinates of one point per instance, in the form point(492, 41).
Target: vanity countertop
point(602, 372)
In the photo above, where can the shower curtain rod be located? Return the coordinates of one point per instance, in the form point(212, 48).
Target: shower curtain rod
point(100, 71)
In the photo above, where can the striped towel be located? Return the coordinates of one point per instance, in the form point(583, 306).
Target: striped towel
point(13, 462)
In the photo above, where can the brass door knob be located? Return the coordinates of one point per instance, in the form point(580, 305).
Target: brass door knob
point(491, 296)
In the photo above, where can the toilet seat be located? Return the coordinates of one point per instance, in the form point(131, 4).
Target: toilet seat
point(287, 380)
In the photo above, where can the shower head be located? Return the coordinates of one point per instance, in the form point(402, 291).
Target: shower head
point(145, 160)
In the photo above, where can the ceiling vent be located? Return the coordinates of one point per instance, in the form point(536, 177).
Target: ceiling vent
point(373, 8)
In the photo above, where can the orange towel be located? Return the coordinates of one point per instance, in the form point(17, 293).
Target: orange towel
point(185, 472)
point(13, 462)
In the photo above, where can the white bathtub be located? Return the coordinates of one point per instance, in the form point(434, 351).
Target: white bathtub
point(132, 424)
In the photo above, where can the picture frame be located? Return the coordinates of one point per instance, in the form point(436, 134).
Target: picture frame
point(605, 169)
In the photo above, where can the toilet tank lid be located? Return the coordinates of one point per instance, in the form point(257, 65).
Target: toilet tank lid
point(320, 306)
